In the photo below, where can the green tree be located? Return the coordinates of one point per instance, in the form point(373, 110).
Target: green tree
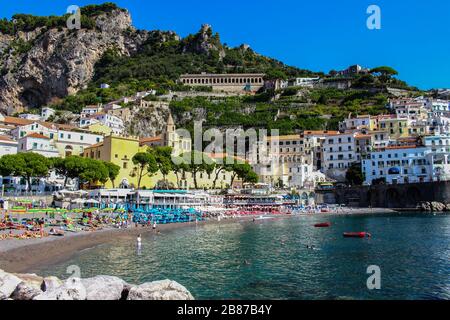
point(113, 172)
point(219, 168)
point(163, 157)
point(242, 171)
point(384, 73)
point(354, 175)
point(179, 169)
point(275, 74)
point(70, 167)
point(95, 171)
point(195, 168)
point(145, 165)
point(25, 165)
point(251, 177)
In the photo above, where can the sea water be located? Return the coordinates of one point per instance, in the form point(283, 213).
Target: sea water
point(273, 259)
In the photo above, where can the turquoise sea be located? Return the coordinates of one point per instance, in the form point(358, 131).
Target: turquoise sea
point(269, 259)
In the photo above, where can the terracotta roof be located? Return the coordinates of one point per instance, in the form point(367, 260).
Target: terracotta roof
point(150, 139)
point(312, 132)
point(23, 122)
point(95, 145)
point(17, 121)
point(36, 136)
point(288, 137)
point(223, 156)
point(399, 147)
point(6, 138)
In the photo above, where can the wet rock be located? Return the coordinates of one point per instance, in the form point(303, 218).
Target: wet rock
point(72, 289)
point(160, 290)
point(103, 288)
point(25, 291)
point(50, 283)
point(31, 280)
point(425, 206)
point(126, 290)
point(8, 283)
point(437, 206)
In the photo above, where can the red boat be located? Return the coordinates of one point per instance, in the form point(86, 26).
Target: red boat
point(323, 225)
point(356, 234)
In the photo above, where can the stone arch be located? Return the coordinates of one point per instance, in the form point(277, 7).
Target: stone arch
point(372, 198)
point(393, 198)
point(68, 150)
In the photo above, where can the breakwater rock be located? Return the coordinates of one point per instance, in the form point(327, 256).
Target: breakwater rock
point(33, 287)
point(434, 206)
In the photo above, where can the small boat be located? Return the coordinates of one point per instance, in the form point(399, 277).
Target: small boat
point(356, 234)
point(323, 225)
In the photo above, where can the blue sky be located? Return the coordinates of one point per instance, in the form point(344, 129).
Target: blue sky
point(319, 35)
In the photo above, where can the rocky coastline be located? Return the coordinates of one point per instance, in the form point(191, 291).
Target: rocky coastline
point(434, 206)
point(33, 287)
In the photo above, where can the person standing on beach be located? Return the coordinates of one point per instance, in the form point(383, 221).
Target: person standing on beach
point(139, 240)
point(154, 225)
point(41, 227)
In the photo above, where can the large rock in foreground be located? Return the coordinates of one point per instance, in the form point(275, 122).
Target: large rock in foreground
point(33, 287)
point(104, 288)
point(160, 290)
point(72, 289)
point(8, 283)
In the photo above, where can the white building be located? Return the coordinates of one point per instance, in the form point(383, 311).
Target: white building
point(38, 143)
point(438, 124)
point(358, 123)
point(68, 142)
point(339, 152)
point(46, 113)
point(304, 82)
point(109, 120)
point(30, 116)
point(90, 110)
point(7, 146)
point(438, 106)
point(35, 127)
point(73, 142)
point(18, 185)
point(406, 164)
point(285, 161)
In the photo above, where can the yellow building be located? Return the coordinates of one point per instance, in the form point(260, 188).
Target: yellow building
point(172, 139)
point(99, 129)
point(396, 127)
point(120, 151)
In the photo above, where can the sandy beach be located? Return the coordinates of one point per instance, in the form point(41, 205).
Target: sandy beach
point(23, 255)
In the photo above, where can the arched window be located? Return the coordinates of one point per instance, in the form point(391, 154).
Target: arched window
point(68, 151)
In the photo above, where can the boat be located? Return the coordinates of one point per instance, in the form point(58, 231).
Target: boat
point(356, 234)
point(323, 225)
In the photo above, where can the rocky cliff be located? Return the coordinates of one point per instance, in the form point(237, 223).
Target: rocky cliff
point(48, 63)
